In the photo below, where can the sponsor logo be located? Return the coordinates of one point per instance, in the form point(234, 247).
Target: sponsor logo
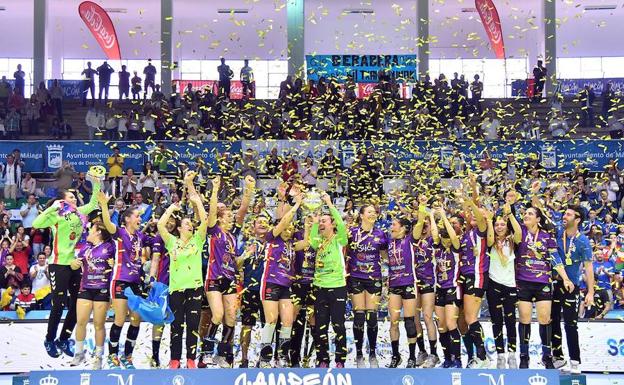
point(85, 378)
point(493, 380)
point(55, 155)
point(408, 380)
point(120, 379)
point(177, 380)
point(549, 157)
point(456, 378)
point(291, 378)
point(49, 380)
point(486, 10)
point(538, 380)
point(95, 22)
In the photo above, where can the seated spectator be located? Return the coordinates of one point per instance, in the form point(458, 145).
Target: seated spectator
point(10, 274)
point(55, 128)
point(40, 278)
point(558, 126)
point(65, 129)
point(118, 209)
point(490, 127)
point(12, 124)
point(129, 186)
point(145, 209)
point(83, 188)
point(29, 185)
point(26, 299)
point(33, 115)
point(5, 225)
point(530, 129)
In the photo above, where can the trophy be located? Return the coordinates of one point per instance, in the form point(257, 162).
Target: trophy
point(312, 200)
point(97, 172)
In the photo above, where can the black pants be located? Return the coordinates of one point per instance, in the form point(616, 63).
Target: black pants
point(103, 87)
point(58, 105)
point(224, 88)
point(186, 307)
point(538, 89)
point(502, 306)
point(298, 333)
point(247, 89)
point(88, 86)
point(65, 283)
point(565, 302)
point(330, 306)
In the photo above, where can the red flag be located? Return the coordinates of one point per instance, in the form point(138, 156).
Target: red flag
point(101, 27)
point(491, 23)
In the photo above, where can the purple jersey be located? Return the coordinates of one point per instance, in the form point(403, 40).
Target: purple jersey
point(474, 258)
point(158, 246)
point(96, 271)
point(222, 255)
point(447, 266)
point(424, 261)
point(128, 255)
point(279, 261)
point(304, 263)
point(401, 262)
point(535, 256)
point(364, 259)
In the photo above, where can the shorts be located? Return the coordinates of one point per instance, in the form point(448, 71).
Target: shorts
point(534, 291)
point(250, 307)
point(222, 285)
point(469, 285)
point(406, 292)
point(448, 296)
point(424, 288)
point(95, 295)
point(360, 285)
point(118, 288)
point(274, 292)
point(602, 297)
point(302, 294)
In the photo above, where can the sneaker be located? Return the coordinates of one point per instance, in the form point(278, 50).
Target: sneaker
point(79, 358)
point(395, 362)
point(360, 362)
point(339, 365)
point(283, 362)
point(204, 360)
point(322, 365)
point(97, 363)
point(264, 364)
point(448, 363)
point(559, 363)
point(221, 362)
point(244, 364)
point(501, 361)
point(512, 362)
point(174, 364)
point(190, 364)
point(478, 363)
point(113, 362)
point(421, 358)
point(457, 364)
point(66, 346)
point(431, 362)
point(126, 362)
point(547, 361)
point(471, 362)
point(51, 349)
point(372, 362)
point(411, 363)
point(154, 363)
point(575, 367)
point(524, 361)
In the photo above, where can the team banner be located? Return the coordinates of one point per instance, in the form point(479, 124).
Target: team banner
point(492, 24)
point(102, 28)
point(72, 89)
point(362, 68)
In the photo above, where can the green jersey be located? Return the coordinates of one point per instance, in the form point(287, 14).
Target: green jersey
point(330, 261)
point(185, 262)
point(66, 229)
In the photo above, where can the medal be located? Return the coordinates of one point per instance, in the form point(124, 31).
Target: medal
point(569, 250)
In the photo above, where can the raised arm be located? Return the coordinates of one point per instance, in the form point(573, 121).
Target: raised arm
point(305, 242)
point(517, 229)
point(93, 201)
point(288, 217)
point(250, 188)
point(422, 214)
point(214, 201)
point(315, 237)
point(201, 211)
point(341, 228)
point(435, 232)
point(490, 232)
point(162, 222)
point(103, 200)
point(450, 230)
point(479, 217)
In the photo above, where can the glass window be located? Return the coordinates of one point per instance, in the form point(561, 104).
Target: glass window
point(569, 68)
point(591, 67)
point(613, 67)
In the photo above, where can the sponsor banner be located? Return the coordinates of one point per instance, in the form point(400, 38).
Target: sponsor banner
point(492, 24)
point(300, 149)
point(298, 377)
point(102, 28)
point(364, 90)
point(601, 343)
point(236, 87)
point(569, 87)
point(72, 89)
point(363, 68)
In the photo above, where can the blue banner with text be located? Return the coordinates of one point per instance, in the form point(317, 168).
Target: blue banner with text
point(362, 68)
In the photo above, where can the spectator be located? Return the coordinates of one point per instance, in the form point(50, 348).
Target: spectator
point(290, 168)
point(5, 226)
point(329, 164)
point(225, 76)
point(83, 188)
point(88, 84)
point(476, 90)
point(44, 101)
point(148, 181)
point(12, 124)
point(608, 101)
point(530, 128)
point(273, 163)
point(10, 274)
point(104, 71)
point(118, 210)
point(29, 185)
point(161, 157)
point(55, 129)
point(65, 175)
point(32, 114)
point(39, 273)
point(586, 100)
point(615, 127)
point(247, 80)
point(157, 95)
point(57, 94)
point(115, 171)
point(604, 271)
point(29, 211)
point(122, 126)
point(65, 129)
point(20, 252)
point(25, 299)
point(145, 209)
point(490, 126)
point(136, 86)
point(150, 77)
point(20, 83)
point(309, 172)
point(12, 176)
point(539, 76)
point(5, 91)
point(110, 125)
point(17, 101)
point(129, 186)
point(124, 83)
point(558, 126)
point(457, 130)
point(248, 165)
point(149, 124)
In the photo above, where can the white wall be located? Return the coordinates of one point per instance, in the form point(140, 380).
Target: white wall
point(16, 29)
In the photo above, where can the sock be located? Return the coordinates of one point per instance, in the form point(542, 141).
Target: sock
point(267, 333)
point(412, 351)
point(433, 348)
point(545, 332)
point(372, 328)
point(113, 339)
point(395, 348)
point(284, 340)
point(420, 340)
point(208, 342)
point(156, 350)
point(469, 345)
point(79, 347)
point(476, 332)
point(524, 333)
point(226, 336)
point(358, 331)
point(446, 349)
point(99, 351)
point(131, 336)
point(455, 342)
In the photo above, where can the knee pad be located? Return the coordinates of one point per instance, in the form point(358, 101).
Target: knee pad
point(359, 319)
point(371, 319)
point(410, 327)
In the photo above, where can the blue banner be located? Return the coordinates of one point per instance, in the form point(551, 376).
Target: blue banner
point(363, 68)
point(297, 377)
point(72, 89)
